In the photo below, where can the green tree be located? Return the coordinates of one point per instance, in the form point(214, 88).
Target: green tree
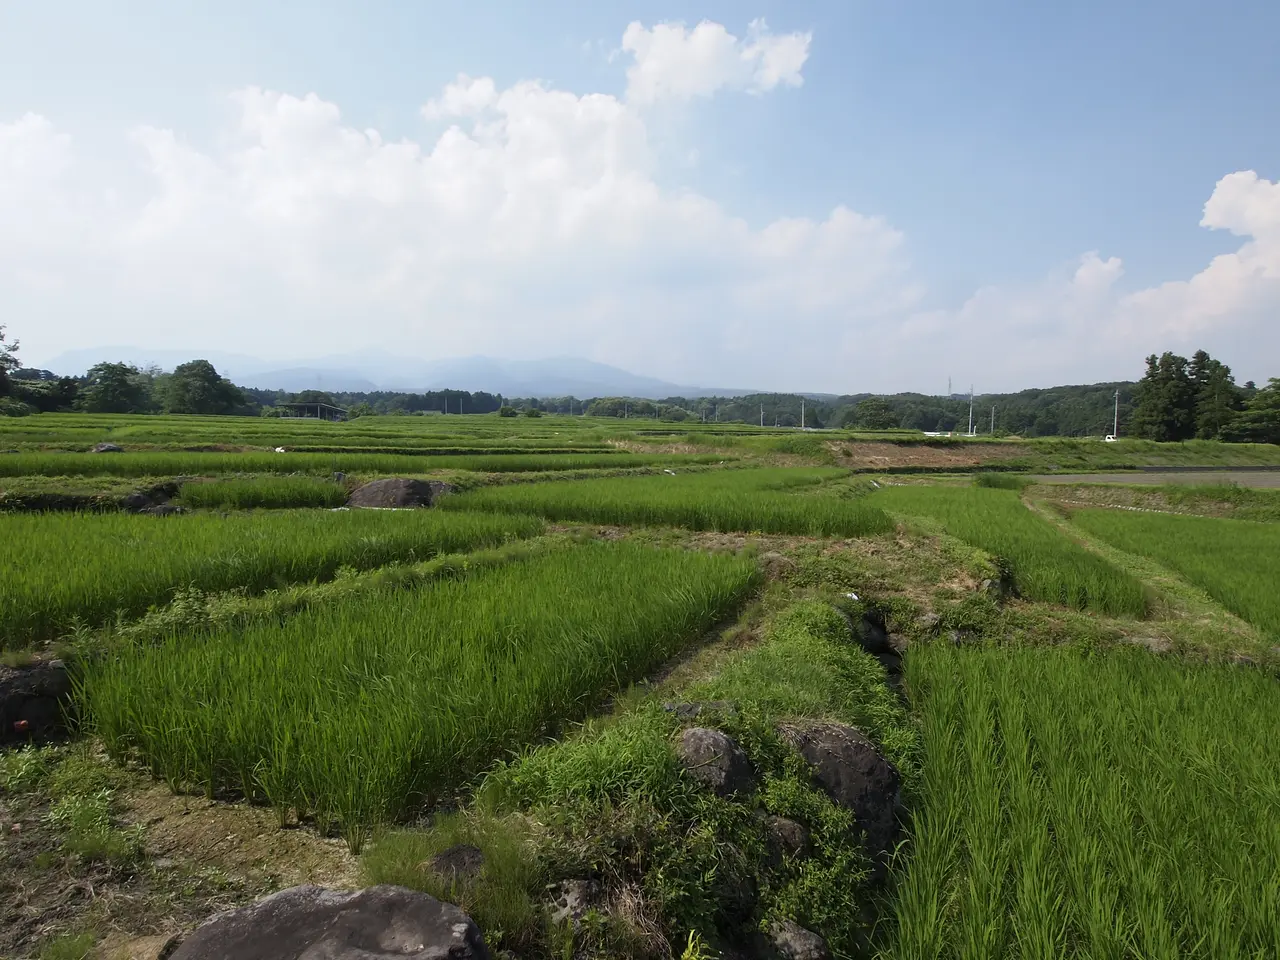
point(115, 388)
point(507, 411)
point(1218, 399)
point(873, 413)
point(8, 360)
point(196, 387)
point(1166, 400)
point(362, 409)
point(1259, 422)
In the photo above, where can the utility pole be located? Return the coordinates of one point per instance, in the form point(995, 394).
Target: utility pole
point(717, 413)
point(993, 419)
point(1115, 426)
point(971, 410)
point(802, 413)
point(762, 414)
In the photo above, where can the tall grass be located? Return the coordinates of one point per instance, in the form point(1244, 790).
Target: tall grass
point(1045, 564)
point(745, 500)
point(245, 493)
point(60, 568)
point(359, 711)
point(1236, 562)
point(212, 464)
point(1085, 805)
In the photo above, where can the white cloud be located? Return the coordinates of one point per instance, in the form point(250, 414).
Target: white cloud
point(674, 62)
point(535, 224)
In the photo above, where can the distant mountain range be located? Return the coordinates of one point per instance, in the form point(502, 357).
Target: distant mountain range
point(368, 371)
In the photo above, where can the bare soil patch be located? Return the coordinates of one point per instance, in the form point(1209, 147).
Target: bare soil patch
point(873, 455)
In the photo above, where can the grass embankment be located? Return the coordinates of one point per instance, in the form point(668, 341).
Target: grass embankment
point(677, 862)
point(247, 493)
point(361, 711)
point(63, 569)
point(730, 500)
point(1235, 561)
point(1045, 565)
point(1209, 500)
point(1078, 804)
point(214, 464)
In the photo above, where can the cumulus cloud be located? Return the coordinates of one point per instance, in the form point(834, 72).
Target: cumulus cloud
point(535, 223)
point(674, 62)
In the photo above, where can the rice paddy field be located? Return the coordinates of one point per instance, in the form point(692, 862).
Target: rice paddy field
point(360, 711)
point(1044, 563)
point(761, 500)
point(247, 493)
point(60, 569)
point(1085, 805)
point(1237, 562)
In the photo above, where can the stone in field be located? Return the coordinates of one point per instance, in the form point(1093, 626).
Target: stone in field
point(853, 773)
point(312, 923)
point(397, 492)
point(32, 699)
point(459, 863)
point(107, 448)
point(716, 761)
point(794, 942)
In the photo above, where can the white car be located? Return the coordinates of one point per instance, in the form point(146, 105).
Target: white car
point(1111, 438)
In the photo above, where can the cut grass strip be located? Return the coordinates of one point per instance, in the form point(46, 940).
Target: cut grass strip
point(62, 569)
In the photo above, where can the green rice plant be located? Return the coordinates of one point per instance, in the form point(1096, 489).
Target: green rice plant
point(359, 712)
point(1236, 562)
point(1001, 481)
point(213, 464)
point(745, 500)
point(1090, 805)
point(246, 493)
point(62, 569)
point(1045, 564)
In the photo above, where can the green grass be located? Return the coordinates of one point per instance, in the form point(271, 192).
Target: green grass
point(361, 711)
point(1236, 561)
point(214, 464)
point(1001, 481)
point(1045, 565)
point(245, 493)
point(1090, 805)
point(60, 569)
point(726, 500)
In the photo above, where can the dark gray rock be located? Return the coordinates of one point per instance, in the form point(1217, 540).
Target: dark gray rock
point(929, 622)
point(33, 701)
point(855, 774)
point(163, 510)
point(787, 837)
point(107, 448)
point(716, 761)
point(398, 492)
point(960, 637)
point(312, 923)
point(459, 863)
point(687, 711)
point(873, 636)
point(794, 942)
point(136, 502)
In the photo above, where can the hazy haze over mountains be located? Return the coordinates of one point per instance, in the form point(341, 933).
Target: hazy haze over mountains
point(365, 371)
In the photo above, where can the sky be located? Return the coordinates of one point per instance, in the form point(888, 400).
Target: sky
point(838, 196)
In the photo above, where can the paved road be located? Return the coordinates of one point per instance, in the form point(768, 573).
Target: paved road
point(1259, 479)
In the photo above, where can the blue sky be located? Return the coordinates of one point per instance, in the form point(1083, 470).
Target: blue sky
point(985, 148)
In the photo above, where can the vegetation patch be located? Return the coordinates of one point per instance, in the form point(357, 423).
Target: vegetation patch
point(360, 712)
point(728, 500)
point(62, 569)
point(1077, 803)
point(247, 493)
point(1044, 563)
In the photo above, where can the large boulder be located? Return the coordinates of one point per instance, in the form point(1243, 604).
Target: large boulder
point(716, 761)
point(312, 923)
point(397, 492)
point(33, 700)
point(855, 774)
point(794, 942)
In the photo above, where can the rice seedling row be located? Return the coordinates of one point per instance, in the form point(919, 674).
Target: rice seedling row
point(1045, 564)
point(62, 569)
point(245, 493)
point(201, 464)
point(361, 711)
point(1237, 562)
point(727, 500)
point(1090, 805)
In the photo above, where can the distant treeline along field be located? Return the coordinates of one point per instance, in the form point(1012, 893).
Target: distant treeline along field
point(1176, 399)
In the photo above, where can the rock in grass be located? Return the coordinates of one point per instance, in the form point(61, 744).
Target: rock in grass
point(377, 923)
point(872, 635)
point(716, 761)
point(854, 773)
point(794, 942)
point(687, 711)
point(786, 836)
point(459, 863)
point(107, 448)
point(397, 492)
point(32, 701)
point(571, 899)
